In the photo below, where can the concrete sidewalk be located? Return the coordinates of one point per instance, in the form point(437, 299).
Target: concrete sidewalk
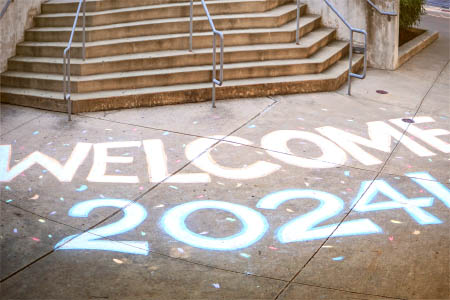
point(190, 202)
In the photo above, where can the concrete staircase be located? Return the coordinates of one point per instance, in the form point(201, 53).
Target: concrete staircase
point(137, 54)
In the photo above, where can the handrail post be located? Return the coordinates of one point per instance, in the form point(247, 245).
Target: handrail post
point(69, 102)
point(84, 30)
point(191, 26)
point(350, 63)
point(297, 32)
point(214, 71)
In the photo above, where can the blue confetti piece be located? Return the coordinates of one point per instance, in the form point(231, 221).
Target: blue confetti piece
point(36, 133)
point(9, 201)
point(230, 219)
point(173, 187)
point(347, 173)
point(61, 198)
point(15, 230)
point(245, 255)
point(7, 188)
point(166, 133)
point(216, 285)
point(143, 233)
point(252, 126)
point(82, 188)
point(339, 258)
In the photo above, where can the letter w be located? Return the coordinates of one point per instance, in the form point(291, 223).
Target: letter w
point(63, 173)
point(380, 135)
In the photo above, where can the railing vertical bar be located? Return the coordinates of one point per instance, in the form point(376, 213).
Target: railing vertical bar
point(297, 32)
point(214, 71)
point(214, 51)
point(191, 26)
point(66, 57)
point(84, 30)
point(350, 63)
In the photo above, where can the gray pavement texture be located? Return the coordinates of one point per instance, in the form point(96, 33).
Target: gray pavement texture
point(311, 196)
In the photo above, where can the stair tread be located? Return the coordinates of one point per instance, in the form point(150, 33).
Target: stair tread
point(277, 12)
point(304, 20)
point(146, 7)
point(306, 42)
point(318, 57)
point(331, 73)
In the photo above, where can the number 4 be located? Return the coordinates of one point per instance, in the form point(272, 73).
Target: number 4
point(369, 190)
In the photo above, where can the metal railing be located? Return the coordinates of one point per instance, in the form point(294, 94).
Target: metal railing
point(352, 30)
point(387, 13)
point(350, 50)
point(215, 33)
point(66, 57)
point(5, 8)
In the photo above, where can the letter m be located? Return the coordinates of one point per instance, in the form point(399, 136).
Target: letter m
point(380, 138)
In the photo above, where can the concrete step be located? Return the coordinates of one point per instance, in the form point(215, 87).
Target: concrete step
point(309, 45)
point(273, 18)
point(161, 11)
point(67, 6)
point(330, 79)
point(318, 62)
point(282, 34)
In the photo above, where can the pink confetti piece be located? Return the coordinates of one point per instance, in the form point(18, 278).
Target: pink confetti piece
point(391, 238)
point(35, 239)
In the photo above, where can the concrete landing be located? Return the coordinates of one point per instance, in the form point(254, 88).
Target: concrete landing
point(311, 196)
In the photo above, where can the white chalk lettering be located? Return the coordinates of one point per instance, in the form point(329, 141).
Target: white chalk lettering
point(101, 159)
point(380, 134)
point(157, 166)
point(62, 173)
point(208, 164)
point(278, 141)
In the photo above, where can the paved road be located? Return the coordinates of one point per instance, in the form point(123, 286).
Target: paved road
point(439, 3)
point(290, 197)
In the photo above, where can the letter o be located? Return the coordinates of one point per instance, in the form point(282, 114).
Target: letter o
point(254, 225)
point(277, 141)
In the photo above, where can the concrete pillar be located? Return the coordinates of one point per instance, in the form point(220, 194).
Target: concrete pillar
point(382, 30)
point(383, 34)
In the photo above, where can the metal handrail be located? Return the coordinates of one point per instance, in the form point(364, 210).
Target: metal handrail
point(387, 13)
point(215, 33)
point(352, 30)
point(5, 8)
point(66, 58)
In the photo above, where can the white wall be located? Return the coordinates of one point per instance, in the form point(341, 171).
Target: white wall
point(18, 17)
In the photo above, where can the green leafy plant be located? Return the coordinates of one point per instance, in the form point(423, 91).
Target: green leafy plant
point(410, 12)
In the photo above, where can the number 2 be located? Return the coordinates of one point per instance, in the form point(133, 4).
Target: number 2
point(302, 228)
point(134, 214)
